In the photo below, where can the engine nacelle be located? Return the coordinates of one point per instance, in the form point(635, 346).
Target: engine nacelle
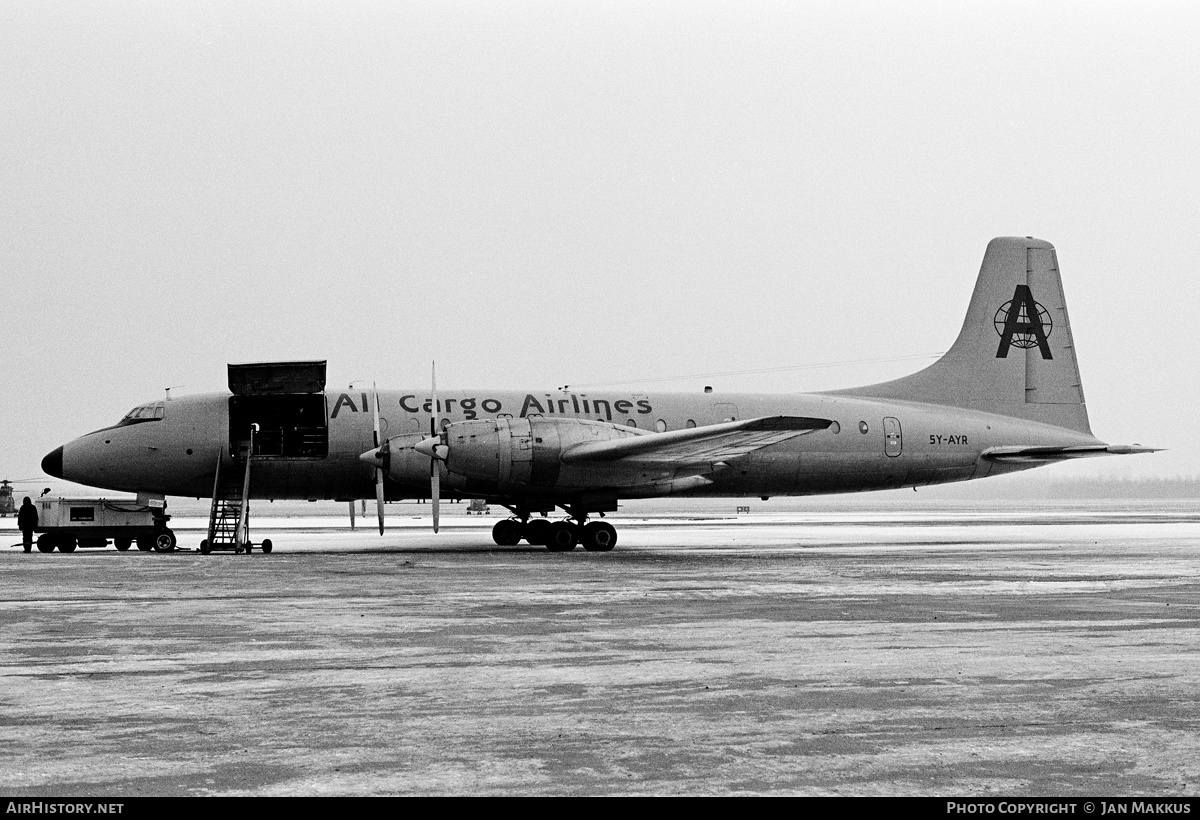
point(523, 458)
point(526, 451)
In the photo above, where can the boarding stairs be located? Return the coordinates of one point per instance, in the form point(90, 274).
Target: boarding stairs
point(229, 516)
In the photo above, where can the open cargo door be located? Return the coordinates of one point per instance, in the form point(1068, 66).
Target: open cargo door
point(287, 402)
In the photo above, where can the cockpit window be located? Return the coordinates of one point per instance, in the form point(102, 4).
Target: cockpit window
point(153, 411)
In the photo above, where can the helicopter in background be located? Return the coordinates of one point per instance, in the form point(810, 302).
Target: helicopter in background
point(7, 505)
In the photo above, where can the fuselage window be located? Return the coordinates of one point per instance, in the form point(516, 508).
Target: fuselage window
point(631, 423)
point(862, 427)
point(660, 426)
point(835, 427)
point(690, 423)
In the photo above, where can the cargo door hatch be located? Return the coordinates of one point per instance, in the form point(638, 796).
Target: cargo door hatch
point(287, 402)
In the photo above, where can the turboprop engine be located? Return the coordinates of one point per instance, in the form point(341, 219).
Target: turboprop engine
point(512, 453)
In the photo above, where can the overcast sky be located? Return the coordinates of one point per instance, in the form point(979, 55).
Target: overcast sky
point(541, 193)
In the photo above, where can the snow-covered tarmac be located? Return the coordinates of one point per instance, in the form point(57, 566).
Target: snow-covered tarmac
point(1045, 651)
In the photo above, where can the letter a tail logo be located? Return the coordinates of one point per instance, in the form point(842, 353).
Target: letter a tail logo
point(1023, 323)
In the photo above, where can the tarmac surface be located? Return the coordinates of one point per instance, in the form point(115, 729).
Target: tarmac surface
point(1045, 653)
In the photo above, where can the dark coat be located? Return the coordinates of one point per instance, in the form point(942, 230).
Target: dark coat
point(27, 517)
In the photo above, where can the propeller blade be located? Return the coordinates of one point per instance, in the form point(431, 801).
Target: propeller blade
point(375, 396)
point(435, 479)
point(379, 497)
point(378, 470)
point(433, 402)
point(435, 476)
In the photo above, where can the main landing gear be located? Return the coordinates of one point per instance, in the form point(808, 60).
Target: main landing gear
point(556, 536)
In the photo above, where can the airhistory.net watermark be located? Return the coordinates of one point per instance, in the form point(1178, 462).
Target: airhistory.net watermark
point(43, 807)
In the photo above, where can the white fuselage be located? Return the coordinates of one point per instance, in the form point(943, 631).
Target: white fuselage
point(872, 444)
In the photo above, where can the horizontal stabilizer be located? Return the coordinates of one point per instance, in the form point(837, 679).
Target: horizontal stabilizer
point(698, 445)
point(1042, 455)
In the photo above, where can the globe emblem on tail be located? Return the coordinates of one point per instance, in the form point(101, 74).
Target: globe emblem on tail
point(1023, 323)
point(1024, 338)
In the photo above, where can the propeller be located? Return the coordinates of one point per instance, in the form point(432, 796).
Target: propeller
point(435, 448)
point(435, 475)
point(378, 466)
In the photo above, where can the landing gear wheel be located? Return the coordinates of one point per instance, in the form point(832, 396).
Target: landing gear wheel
point(66, 544)
point(164, 541)
point(537, 532)
point(267, 546)
point(507, 533)
point(122, 544)
point(45, 543)
point(599, 536)
point(563, 537)
point(145, 544)
point(205, 547)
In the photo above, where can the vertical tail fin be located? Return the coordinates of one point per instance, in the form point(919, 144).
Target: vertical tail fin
point(1014, 355)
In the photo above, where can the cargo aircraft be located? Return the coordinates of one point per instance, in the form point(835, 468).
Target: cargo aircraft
point(1005, 397)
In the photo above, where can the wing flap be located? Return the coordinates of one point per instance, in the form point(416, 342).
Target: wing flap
point(698, 445)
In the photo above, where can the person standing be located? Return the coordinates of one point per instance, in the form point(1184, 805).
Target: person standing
point(27, 521)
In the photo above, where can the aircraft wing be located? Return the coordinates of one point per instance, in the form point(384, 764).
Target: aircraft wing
point(1041, 455)
point(697, 445)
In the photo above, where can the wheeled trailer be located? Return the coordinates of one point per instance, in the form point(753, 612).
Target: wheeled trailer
point(90, 523)
point(208, 547)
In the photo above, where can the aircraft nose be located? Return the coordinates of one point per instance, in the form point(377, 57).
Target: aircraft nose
point(52, 464)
